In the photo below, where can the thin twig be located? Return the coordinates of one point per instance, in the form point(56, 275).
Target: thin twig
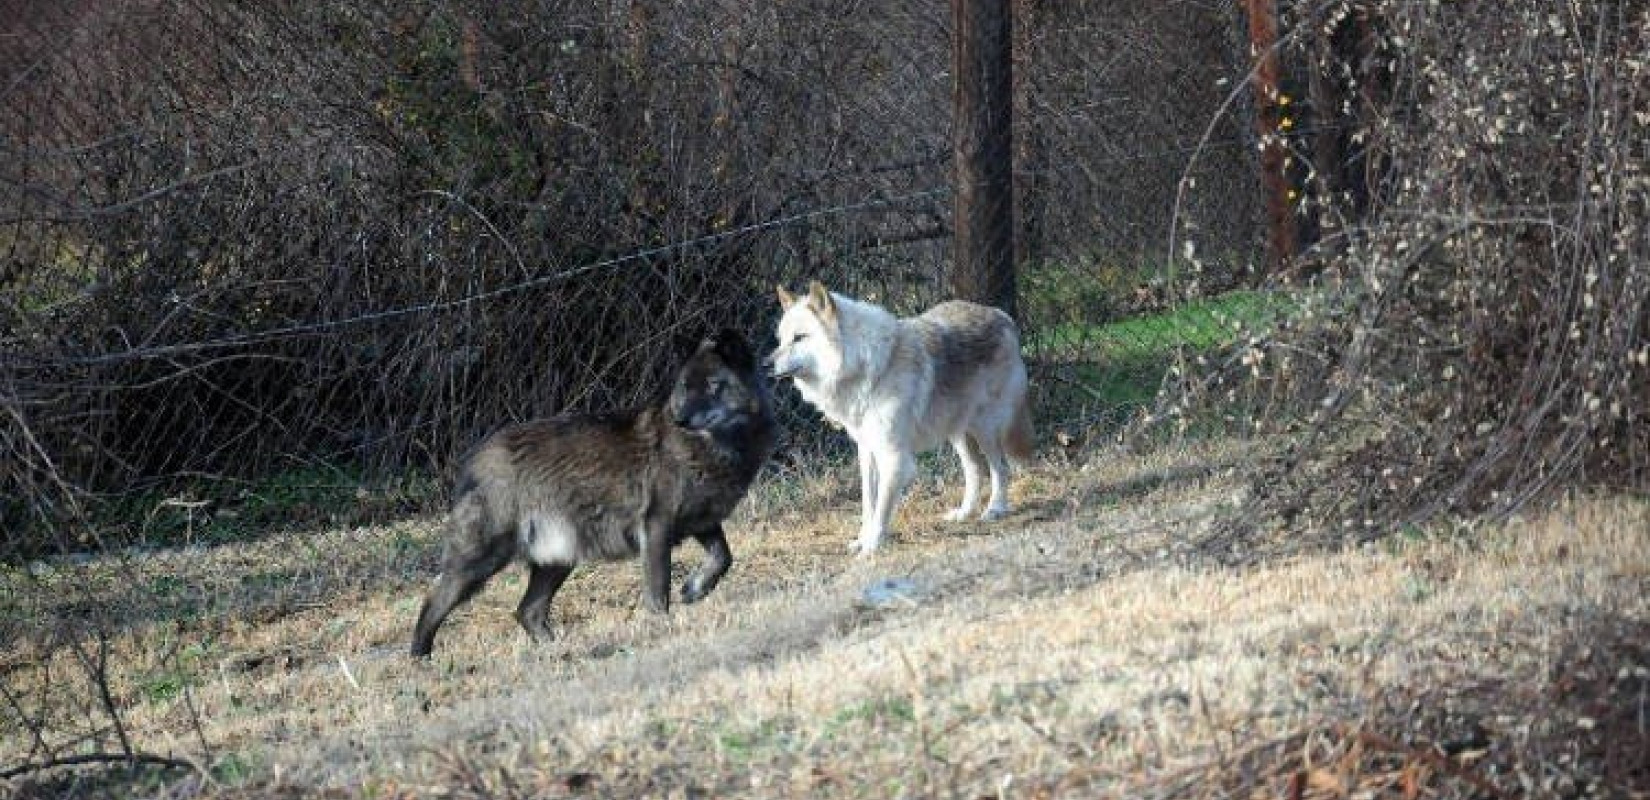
point(132, 759)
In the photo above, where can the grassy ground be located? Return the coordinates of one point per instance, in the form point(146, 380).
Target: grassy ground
point(1194, 326)
point(1087, 646)
point(1105, 373)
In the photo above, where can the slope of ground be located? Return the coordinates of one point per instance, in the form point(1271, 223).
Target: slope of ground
point(1086, 646)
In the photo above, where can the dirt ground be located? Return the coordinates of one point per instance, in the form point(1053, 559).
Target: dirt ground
point(1091, 644)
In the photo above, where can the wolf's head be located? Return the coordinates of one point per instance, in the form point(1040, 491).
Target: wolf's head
point(810, 337)
point(719, 389)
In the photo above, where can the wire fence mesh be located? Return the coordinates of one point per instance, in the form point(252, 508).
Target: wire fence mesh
point(346, 239)
point(272, 266)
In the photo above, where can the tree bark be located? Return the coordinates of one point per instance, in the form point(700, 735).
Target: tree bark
point(1280, 218)
point(982, 268)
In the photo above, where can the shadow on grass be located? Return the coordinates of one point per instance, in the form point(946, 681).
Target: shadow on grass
point(202, 587)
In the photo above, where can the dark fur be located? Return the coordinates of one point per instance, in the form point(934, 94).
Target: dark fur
point(960, 336)
point(638, 481)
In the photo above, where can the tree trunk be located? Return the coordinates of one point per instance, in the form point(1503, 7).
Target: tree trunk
point(982, 268)
point(1280, 217)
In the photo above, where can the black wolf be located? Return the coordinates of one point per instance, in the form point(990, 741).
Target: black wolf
point(572, 489)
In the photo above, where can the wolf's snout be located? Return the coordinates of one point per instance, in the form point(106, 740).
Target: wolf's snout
point(771, 365)
point(700, 416)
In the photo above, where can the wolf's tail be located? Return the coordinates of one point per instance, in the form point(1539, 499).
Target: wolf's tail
point(1019, 441)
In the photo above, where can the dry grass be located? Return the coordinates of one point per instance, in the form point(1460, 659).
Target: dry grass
point(1088, 646)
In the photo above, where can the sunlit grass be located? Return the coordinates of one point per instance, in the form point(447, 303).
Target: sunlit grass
point(1063, 643)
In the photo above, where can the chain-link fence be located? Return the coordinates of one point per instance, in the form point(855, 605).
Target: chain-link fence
point(269, 266)
point(343, 240)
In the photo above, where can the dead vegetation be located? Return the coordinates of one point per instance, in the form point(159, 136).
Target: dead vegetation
point(1092, 646)
point(1476, 335)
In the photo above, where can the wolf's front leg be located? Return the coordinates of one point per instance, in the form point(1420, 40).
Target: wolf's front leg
point(867, 486)
point(868, 480)
point(656, 568)
point(895, 468)
point(717, 560)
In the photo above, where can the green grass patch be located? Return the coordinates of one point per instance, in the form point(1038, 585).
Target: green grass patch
point(741, 743)
point(1117, 367)
point(211, 512)
point(1098, 287)
point(1202, 325)
point(233, 769)
point(162, 686)
point(893, 709)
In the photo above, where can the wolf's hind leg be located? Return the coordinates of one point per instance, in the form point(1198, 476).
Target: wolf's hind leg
point(717, 560)
point(476, 550)
point(998, 506)
point(656, 544)
point(533, 613)
point(970, 456)
point(459, 582)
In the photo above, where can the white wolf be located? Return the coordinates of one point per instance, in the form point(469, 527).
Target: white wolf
point(903, 386)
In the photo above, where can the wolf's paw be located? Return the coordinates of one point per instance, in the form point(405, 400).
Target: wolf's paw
point(537, 628)
point(994, 512)
point(656, 605)
point(863, 548)
point(956, 515)
point(694, 589)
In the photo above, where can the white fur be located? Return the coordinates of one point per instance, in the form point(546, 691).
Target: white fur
point(555, 540)
point(875, 375)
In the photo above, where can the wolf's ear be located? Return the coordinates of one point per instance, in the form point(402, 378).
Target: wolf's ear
point(786, 299)
point(686, 346)
point(822, 302)
point(734, 350)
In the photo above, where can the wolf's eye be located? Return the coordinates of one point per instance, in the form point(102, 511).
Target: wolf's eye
point(799, 337)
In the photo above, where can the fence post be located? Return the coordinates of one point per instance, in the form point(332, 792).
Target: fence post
point(982, 265)
point(1030, 146)
point(1280, 218)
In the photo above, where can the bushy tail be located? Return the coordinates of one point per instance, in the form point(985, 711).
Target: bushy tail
point(1020, 441)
